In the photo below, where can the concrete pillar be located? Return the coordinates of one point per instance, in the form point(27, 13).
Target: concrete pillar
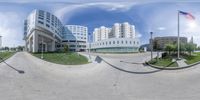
point(26, 46)
point(46, 47)
point(53, 45)
point(30, 45)
point(35, 42)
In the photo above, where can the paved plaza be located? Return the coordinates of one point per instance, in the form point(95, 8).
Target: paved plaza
point(109, 77)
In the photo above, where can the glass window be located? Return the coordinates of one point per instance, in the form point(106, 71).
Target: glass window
point(48, 21)
point(52, 20)
point(56, 21)
point(41, 13)
point(48, 15)
point(40, 22)
point(72, 45)
point(47, 25)
point(42, 18)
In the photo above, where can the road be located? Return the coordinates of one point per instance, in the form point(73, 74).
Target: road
point(118, 77)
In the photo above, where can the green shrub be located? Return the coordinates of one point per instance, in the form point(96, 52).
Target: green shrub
point(66, 48)
point(153, 61)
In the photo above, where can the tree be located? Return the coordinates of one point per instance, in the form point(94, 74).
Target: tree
point(7, 48)
point(190, 48)
point(182, 47)
point(157, 48)
point(66, 48)
point(13, 49)
point(170, 48)
point(20, 48)
point(198, 48)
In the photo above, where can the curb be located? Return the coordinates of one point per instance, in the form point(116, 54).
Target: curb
point(58, 63)
point(7, 57)
point(172, 68)
point(89, 58)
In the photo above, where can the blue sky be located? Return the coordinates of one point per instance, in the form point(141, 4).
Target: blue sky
point(157, 16)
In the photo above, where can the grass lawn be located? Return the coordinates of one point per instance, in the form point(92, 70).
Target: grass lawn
point(167, 62)
point(192, 59)
point(70, 58)
point(6, 55)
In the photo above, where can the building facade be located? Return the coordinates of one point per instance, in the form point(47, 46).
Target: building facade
point(116, 45)
point(124, 30)
point(75, 37)
point(119, 38)
point(44, 32)
point(101, 33)
point(161, 42)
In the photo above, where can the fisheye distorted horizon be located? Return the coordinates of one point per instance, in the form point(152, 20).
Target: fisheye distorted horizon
point(158, 17)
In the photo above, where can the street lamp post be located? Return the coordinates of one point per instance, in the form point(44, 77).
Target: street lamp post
point(151, 43)
point(178, 39)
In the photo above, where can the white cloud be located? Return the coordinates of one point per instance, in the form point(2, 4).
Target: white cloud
point(109, 6)
point(138, 35)
point(161, 28)
point(10, 29)
point(169, 25)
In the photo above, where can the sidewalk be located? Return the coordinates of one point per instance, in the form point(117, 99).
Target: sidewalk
point(181, 63)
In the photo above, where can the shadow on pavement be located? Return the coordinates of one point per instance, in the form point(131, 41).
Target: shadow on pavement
point(99, 59)
point(19, 71)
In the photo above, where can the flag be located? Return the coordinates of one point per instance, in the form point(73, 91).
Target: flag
point(187, 15)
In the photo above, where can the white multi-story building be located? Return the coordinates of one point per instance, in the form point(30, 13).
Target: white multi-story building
point(119, 38)
point(116, 30)
point(96, 35)
point(124, 30)
point(104, 31)
point(44, 32)
point(101, 33)
point(75, 37)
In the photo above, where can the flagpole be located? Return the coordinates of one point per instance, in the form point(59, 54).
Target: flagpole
point(178, 39)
